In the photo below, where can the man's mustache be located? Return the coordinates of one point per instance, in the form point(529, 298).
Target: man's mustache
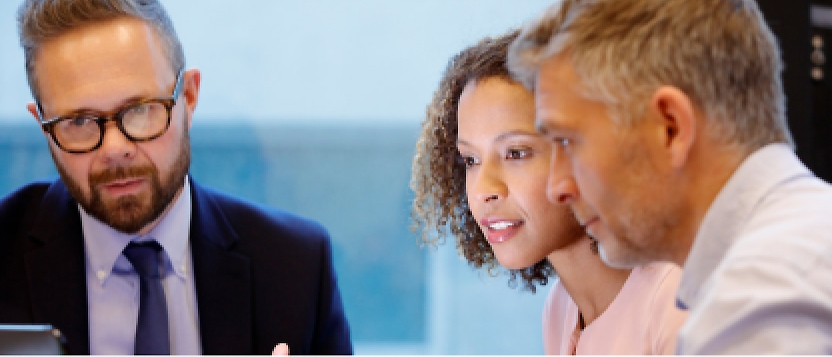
point(120, 173)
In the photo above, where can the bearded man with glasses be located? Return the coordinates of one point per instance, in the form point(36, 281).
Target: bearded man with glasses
point(126, 253)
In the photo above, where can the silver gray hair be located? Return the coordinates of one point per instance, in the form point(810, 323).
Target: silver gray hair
point(720, 53)
point(41, 20)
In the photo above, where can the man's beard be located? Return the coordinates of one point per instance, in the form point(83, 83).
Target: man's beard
point(130, 213)
point(643, 235)
point(645, 224)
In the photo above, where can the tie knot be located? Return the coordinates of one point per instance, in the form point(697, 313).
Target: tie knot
point(145, 258)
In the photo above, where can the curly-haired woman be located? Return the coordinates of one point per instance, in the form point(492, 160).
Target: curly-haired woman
point(480, 176)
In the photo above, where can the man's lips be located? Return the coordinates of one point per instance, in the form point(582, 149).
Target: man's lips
point(589, 222)
point(588, 225)
point(123, 186)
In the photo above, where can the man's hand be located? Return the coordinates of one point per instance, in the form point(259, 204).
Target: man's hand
point(281, 349)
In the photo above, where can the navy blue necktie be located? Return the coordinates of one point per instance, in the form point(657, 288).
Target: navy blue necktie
point(152, 336)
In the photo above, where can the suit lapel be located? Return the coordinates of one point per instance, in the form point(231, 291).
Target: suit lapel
point(222, 279)
point(55, 268)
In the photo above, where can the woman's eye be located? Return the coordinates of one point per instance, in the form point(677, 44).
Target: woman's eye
point(469, 161)
point(563, 142)
point(518, 153)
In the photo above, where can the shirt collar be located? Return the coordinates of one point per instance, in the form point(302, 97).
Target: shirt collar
point(104, 244)
point(730, 211)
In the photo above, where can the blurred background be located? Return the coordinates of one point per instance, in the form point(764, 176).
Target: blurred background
point(314, 106)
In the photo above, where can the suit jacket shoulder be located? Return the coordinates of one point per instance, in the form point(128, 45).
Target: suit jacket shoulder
point(42, 272)
point(252, 220)
point(263, 276)
point(19, 208)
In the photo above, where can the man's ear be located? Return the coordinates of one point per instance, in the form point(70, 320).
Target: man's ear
point(190, 92)
point(33, 109)
point(677, 117)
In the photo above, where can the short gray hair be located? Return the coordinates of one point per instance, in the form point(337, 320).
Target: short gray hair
point(41, 20)
point(720, 53)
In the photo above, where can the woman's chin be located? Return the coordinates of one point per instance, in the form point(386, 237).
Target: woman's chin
point(516, 263)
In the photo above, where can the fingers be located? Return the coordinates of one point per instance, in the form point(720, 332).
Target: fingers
point(281, 349)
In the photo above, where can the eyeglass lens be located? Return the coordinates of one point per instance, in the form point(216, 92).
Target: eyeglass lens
point(139, 122)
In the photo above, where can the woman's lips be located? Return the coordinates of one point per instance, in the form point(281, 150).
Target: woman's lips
point(499, 231)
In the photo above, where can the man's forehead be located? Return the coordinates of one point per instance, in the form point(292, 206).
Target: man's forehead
point(130, 41)
point(99, 61)
point(551, 87)
point(557, 71)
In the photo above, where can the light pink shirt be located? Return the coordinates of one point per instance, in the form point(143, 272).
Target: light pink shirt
point(641, 320)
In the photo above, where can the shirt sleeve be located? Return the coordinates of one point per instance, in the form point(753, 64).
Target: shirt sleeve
point(763, 306)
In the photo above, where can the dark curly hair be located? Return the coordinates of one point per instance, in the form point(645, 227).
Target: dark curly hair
point(438, 176)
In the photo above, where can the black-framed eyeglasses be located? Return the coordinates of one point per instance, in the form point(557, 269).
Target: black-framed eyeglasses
point(144, 120)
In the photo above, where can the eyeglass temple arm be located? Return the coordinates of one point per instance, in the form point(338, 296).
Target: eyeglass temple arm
point(179, 84)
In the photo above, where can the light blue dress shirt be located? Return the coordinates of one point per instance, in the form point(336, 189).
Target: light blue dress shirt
point(113, 286)
point(758, 279)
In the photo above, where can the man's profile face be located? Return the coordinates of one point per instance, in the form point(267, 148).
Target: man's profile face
point(603, 170)
point(99, 68)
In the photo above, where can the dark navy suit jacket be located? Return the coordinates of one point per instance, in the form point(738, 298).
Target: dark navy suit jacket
point(262, 276)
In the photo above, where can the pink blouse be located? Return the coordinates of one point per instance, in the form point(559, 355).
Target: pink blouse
point(641, 320)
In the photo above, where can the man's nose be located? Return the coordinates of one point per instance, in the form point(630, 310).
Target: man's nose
point(561, 187)
point(115, 146)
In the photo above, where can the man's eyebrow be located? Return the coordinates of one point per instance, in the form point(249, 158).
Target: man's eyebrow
point(550, 127)
point(542, 129)
point(120, 106)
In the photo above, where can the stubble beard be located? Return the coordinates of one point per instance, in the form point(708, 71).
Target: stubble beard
point(642, 235)
point(130, 213)
point(644, 227)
